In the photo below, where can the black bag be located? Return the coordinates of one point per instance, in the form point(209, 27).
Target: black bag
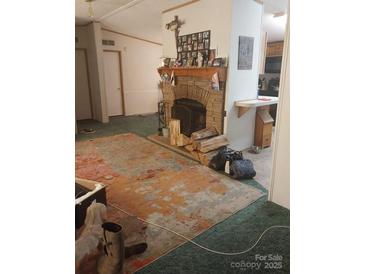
point(225, 154)
point(242, 169)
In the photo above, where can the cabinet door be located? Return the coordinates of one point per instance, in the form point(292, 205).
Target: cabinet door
point(274, 49)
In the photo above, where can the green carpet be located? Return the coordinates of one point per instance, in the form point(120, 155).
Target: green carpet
point(142, 125)
point(237, 233)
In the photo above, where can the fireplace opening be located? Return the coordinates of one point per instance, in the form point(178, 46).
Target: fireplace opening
point(191, 113)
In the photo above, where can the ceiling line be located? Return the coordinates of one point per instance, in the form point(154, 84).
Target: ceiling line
point(131, 36)
point(181, 5)
point(124, 7)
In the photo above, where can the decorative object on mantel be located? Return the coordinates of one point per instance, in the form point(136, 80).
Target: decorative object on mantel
point(166, 62)
point(217, 62)
point(245, 52)
point(200, 59)
point(172, 79)
point(212, 54)
point(172, 62)
point(215, 81)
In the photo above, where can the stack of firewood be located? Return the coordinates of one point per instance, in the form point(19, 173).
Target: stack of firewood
point(203, 144)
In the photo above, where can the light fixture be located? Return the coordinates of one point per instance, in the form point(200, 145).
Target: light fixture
point(279, 14)
point(90, 9)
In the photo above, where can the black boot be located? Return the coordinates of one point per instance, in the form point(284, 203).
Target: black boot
point(134, 250)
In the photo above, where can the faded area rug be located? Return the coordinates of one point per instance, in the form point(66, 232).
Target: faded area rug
point(160, 186)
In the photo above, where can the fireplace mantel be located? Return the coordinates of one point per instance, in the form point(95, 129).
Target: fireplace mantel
point(205, 73)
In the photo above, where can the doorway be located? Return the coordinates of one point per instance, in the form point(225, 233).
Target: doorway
point(113, 82)
point(83, 103)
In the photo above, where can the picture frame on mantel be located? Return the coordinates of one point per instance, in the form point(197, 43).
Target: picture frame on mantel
point(217, 62)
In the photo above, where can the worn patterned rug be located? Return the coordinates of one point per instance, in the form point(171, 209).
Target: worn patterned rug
point(160, 186)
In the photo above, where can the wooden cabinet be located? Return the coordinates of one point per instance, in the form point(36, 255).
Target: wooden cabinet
point(263, 127)
point(274, 49)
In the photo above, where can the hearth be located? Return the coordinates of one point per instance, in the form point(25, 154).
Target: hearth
point(191, 113)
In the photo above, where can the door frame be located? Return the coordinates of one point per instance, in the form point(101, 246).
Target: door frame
point(121, 75)
point(88, 79)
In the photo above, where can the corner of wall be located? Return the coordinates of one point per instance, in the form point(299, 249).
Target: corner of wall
point(97, 72)
point(242, 84)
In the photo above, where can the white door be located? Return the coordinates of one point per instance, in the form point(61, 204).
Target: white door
point(112, 74)
point(82, 89)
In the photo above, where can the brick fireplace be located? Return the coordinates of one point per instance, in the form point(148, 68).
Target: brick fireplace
point(192, 100)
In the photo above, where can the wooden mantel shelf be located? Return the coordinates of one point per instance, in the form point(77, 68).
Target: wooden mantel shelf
point(205, 73)
point(245, 105)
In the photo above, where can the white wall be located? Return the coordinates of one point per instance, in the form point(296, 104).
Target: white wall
point(97, 68)
point(280, 177)
point(214, 15)
point(242, 84)
point(140, 61)
point(82, 33)
point(88, 38)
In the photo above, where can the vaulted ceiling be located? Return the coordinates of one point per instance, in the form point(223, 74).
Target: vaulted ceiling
point(142, 18)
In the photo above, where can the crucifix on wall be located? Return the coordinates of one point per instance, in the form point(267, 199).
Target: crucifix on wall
point(175, 26)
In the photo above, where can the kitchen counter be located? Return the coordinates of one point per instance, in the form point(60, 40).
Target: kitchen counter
point(245, 105)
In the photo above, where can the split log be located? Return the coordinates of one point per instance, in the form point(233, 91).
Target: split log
point(205, 158)
point(183, 140)
point(204, 133)
point(189, 147)
point(174, 127)
point(206, 145)
point(195, 154)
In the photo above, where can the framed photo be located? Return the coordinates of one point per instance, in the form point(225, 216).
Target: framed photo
point(195, 45)
point(245, 52)
point(189, 45)
point(206, 43)
point(217, 62)
point(212, 55)
point(166, 62)
point(172, 63)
